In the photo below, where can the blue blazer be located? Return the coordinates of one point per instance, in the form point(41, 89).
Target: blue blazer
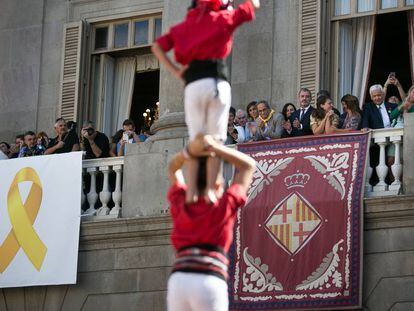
point(371, 116)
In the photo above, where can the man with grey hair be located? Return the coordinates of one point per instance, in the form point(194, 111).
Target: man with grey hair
point(269, 123)
point(65, 140)
point(376, 115)
point(243, 132)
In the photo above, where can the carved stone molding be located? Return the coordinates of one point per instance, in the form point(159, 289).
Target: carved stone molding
point(389, 212)
point(125, 232)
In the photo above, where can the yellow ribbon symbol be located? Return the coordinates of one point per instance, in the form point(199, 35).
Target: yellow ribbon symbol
point(22, 217)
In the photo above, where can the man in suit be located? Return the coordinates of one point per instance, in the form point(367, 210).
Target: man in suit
point(300, 119)
point(269, 123)
point(376, 115)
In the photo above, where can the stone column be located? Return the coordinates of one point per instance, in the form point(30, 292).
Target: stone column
point(171, 123)
point(145, 182)
point(408, 151)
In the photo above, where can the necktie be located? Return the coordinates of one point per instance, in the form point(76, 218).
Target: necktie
point(302, 114)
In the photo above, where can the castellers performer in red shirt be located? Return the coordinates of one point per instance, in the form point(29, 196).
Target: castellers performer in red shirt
point(203, 231)
point(201, 43)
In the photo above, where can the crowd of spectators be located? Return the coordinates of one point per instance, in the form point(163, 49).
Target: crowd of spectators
point(93, 143)
point(258, 122)
point(261, 122)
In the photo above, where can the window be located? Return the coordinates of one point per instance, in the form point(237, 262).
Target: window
point(158, 27)
point(101, 38)
point(344, 9)
point(121, 35)
point(125, 34)
point(365, 49)
point(124, 75)
point(141, 32)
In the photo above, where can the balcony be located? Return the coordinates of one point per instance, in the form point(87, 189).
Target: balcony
point(102, 190)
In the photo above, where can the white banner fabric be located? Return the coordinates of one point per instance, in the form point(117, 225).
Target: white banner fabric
point(40, 200)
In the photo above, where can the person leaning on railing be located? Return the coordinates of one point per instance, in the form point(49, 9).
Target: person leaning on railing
point(323, 119)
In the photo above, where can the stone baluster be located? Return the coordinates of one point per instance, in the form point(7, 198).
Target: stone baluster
point(92, 195)
point(117, 194)
point(83, 196)
point(397, 167)
point(382, 168)
point(368, 173)
point(105, 194)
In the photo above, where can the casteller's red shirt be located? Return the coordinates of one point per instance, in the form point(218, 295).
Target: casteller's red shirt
point(205, 34)
point(201, 222)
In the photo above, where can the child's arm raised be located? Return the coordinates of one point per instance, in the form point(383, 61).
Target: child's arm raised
point(244, 164)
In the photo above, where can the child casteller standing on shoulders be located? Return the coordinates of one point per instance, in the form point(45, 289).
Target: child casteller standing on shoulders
point(201, 43)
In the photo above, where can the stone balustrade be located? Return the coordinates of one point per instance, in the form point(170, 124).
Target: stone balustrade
point(386, 159)
point(102, 187)
point(389, 175)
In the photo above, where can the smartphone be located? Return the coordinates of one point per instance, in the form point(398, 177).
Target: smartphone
point(125, 137)
point(391, 75)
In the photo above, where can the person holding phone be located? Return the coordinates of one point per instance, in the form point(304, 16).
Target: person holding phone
point(392, 80)
point(128, 137)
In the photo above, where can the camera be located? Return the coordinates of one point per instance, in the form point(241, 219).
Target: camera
point(90, 131)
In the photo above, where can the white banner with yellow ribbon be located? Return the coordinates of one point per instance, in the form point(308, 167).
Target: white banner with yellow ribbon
point(40, 201)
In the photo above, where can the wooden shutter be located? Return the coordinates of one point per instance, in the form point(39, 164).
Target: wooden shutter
point(309, 44)
point(70, 83)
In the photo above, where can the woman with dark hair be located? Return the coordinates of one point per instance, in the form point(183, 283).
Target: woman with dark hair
point(323, 118)
point(287, 110)
point(353, 117)
point(252, 113)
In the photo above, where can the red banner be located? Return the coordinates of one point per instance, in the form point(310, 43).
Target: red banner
point(298, 241)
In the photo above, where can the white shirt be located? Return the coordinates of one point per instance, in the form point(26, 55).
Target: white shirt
point(243, 133)
point(385, 117)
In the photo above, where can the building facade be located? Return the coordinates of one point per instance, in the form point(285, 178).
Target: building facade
point(90, 59)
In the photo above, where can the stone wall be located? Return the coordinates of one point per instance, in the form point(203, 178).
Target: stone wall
point(124, 264)
point(21, 30)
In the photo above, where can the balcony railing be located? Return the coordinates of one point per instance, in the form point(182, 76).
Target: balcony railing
point(386, 148)
point(102, 187)
point(102, 178)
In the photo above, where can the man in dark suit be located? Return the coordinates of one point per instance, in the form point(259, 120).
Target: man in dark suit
point(300, 119)
point(376, 115)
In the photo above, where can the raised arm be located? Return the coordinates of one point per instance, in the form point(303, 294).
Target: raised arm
point(244, 164)
point(175, 174)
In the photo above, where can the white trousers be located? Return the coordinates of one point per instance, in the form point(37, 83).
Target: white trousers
point(189, 291)
point(207, 103)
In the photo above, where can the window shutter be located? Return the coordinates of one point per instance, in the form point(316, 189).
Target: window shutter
point(309, 44)
point(70, 82)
